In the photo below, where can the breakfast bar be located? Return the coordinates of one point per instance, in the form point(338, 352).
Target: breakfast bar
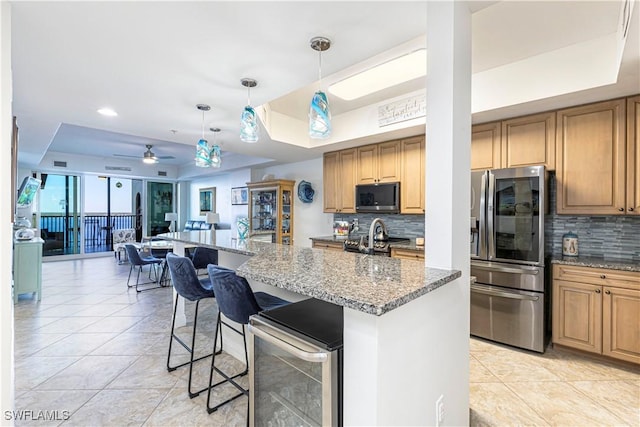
point(399, 318)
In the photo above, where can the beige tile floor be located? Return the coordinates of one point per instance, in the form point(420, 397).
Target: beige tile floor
point(96, 353)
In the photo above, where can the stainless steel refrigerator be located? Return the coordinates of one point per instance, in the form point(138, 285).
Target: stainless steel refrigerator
point(509, 302)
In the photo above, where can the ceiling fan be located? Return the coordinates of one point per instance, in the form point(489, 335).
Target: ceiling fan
point(148, 156)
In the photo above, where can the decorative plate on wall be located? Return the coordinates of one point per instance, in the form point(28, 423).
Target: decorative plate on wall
point(305, 192)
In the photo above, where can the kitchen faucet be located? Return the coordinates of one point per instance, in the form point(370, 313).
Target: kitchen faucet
point(372, 229)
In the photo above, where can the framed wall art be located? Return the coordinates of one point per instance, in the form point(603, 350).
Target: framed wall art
point(207, 201)
point(240, 196)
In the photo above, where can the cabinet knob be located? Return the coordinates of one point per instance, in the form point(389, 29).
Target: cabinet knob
point(621, 209)
point(630, 209)
point(608, 292)
point(602, 276)
point(597, 291)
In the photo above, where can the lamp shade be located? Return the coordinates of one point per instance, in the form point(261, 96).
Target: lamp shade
point(170, 216)
point(213, 218)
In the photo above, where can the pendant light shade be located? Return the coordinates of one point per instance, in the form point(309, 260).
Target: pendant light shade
point(215, 155)
point(319, 116)
point(207, 156)
point(203, 152)
point(249, 119)
point(319, 112)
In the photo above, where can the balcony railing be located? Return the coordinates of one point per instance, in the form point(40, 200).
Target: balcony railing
point(58, 231)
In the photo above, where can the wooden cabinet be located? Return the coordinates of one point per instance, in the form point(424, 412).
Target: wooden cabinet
point(407, 253)
point(27, 267)
point(485, 146)
point(597, 310)
point(591, 159)
point(412, 175)
point(529, 141)
point(271, 211)
point(323, 244)
point(633, 155)
point(379, 163)
point(339, 176)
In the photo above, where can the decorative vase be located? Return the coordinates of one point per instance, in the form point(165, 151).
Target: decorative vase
point(243, 228)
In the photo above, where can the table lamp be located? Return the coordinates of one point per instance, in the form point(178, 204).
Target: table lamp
point(213, 218)
point(173, 217)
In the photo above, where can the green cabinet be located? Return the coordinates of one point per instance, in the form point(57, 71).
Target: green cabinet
point(27, 267)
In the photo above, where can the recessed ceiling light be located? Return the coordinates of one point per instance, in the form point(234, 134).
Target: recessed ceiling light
point(387, 74)
point(107, 112)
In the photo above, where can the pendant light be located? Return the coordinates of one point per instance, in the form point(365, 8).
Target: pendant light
point(319, 113)
point(215, 157)
point(203, 152)
point(248, 119)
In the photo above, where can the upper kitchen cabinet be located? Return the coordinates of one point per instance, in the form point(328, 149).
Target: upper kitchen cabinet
point(485, 146)
point(591, 159)
point(379, 163)
point(633, 155)
point(529, 141)
point(412, 176)
point(339, 177)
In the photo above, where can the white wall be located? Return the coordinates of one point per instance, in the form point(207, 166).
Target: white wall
point(308, 218)
point(6, 232)
point(223, 183)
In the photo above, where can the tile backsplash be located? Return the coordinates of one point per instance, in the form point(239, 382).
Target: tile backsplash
point(397, 225)
point(616, 236)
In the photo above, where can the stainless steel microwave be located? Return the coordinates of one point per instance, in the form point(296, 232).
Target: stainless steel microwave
point(381, 197)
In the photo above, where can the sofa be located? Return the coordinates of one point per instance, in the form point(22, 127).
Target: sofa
point(195, 225)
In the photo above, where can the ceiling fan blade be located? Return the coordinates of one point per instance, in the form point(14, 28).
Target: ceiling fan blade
point(165, 157)
point(126, 155)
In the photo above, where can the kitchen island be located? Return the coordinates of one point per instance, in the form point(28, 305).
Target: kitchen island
point(400, 319)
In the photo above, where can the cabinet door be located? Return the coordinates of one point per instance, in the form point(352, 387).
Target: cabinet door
point(590, 159)
point(407, 254)
point(577, 315)
point(389, 160)
point(621, 324)
point(633, 155)
point(330, 181)
point(529, 141)
point(367, 164)
point(346, 184)
point(485, 146)
point(412, 179)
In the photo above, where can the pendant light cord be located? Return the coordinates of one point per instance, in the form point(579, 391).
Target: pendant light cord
point(202, 124)
point(319, 65)
point(248, 95)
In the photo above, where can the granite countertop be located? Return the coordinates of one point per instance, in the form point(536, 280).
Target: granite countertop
point(368, 283)
point(598, 262)
point(411, 244)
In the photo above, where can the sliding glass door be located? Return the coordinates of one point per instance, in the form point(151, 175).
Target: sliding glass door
point(60, 215)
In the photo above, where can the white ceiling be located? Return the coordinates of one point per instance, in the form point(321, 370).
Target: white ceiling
point(154, 61)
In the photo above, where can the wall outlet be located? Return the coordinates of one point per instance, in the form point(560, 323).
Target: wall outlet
point(440, 410)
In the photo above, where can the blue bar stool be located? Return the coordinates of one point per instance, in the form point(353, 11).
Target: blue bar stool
point(202, 257)
point(187, 285)
point(137, 260)
point(237, 302)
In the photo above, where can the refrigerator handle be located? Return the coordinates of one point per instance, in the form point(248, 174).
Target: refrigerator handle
point(482, 232)
point(491, 237)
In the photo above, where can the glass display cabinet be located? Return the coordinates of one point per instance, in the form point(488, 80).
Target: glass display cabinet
point(271, 211)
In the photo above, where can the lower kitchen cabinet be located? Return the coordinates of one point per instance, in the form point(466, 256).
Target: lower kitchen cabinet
point(597, 310)
point(323, 244)
point(407, 253)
